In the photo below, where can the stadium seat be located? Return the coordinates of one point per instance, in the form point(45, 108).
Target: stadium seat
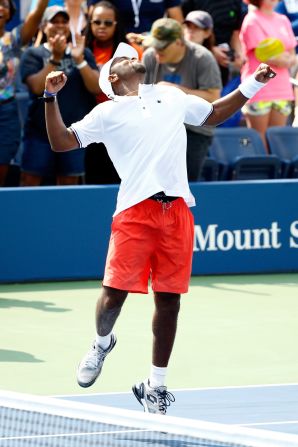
point(241, 155)
point(283, 142)
point(210, 170)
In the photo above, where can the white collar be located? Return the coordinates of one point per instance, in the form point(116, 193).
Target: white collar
point(143, 91)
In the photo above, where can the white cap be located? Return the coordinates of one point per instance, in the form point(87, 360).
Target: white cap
point(123, 50)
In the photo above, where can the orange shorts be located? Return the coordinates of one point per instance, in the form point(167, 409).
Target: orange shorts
point(151, 240)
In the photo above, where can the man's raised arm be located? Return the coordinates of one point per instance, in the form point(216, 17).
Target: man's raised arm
point(225, 107)
point(61, 138)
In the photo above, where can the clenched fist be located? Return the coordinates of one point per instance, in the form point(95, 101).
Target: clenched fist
point(55, 81)
point(264, 73)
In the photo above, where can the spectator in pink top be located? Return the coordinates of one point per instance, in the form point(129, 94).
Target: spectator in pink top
point(272, 105)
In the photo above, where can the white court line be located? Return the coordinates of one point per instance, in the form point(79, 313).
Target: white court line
point(267, 385)
point(268, 423)
point(61, 435)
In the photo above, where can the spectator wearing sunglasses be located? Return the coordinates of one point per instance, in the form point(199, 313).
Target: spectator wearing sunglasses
point(139, 15)
point(103, 34)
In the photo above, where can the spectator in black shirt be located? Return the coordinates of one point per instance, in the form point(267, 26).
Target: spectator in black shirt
point(227, 17)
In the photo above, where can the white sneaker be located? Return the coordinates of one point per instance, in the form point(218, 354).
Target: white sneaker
point(91, 365)
point(154, 400)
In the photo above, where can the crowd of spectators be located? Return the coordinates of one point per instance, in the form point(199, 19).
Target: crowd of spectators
point(201, 46)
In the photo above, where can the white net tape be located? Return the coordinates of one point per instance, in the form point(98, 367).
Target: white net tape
point(27, 420)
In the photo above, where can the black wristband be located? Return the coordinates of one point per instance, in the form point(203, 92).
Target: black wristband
point(51, 61)
point(49, 98)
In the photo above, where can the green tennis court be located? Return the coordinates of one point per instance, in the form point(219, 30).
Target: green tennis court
point(233, 330)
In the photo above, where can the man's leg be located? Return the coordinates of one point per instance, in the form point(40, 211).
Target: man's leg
point(153, 394)
point(164, 326)
point(107, 311)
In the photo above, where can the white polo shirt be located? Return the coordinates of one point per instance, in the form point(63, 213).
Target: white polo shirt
point(146, 140)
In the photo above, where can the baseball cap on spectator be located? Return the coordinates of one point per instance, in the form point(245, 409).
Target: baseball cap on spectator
point(123, 50)
point(163, 32)
point(52, 11)
point(201, 19)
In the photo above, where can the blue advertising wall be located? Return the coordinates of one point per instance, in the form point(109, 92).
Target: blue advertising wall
point(54, 233)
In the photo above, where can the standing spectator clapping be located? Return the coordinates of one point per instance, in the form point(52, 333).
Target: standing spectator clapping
point(11, 43)
point(78, 64)
point(103, 34)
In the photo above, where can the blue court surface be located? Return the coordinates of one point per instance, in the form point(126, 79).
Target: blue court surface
point(268, 407)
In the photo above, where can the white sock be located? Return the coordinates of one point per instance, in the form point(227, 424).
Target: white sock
point(157, 376)
point(103, 341)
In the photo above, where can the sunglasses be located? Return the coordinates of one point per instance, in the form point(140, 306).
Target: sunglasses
point(103, 22)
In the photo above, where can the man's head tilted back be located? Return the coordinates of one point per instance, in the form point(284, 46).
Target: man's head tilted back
point(121, 66)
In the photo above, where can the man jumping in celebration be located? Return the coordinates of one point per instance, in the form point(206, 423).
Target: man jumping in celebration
point(152, 233)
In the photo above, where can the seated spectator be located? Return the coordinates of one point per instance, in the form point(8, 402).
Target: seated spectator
point(138, 16)
point(271, 106)
point(227, 17)
point(167, 62)
point(198, 28)
point(77, 99)
point(11, 43)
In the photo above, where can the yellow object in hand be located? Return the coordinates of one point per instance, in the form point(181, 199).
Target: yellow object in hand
point(269, 48)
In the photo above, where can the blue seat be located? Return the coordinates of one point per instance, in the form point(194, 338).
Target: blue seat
point(210, 170)
point(283, 142)
point(241, 155)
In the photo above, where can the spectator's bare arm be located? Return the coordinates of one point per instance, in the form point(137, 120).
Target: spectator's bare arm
point(237, 47)
point(89, 75)
point(285, 60)
point(32, 21)
point(210, 94)
point(175, 13)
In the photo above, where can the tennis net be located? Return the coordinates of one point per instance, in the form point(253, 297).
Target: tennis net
point(36, 421)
